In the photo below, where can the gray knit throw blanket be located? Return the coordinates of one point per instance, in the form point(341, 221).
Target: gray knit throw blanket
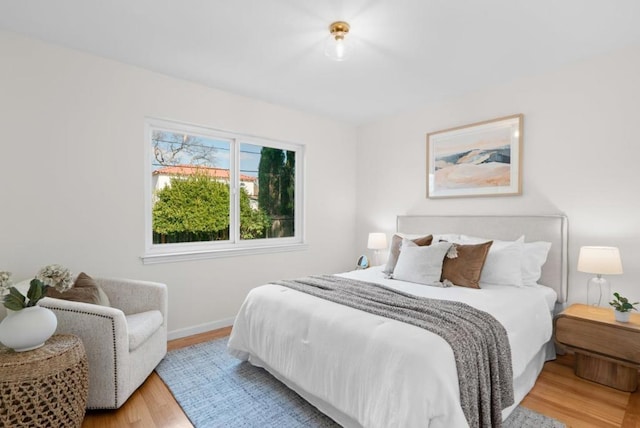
point(478, 340)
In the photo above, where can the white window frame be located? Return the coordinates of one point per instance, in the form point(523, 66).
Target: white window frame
point(161, 253)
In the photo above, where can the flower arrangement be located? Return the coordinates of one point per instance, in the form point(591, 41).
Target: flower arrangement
point(621, 304)
point(56, 276)
point(5, 281)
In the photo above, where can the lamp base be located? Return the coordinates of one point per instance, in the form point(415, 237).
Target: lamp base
point(598, 291)
point(378, 257)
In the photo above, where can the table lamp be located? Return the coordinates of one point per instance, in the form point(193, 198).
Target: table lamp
point(601, 261)
point(377, 241)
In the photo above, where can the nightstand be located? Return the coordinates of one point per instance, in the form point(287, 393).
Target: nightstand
point(607, 351)
point(45, 387)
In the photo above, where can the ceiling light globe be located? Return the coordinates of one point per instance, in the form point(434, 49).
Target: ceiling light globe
point(339, 46)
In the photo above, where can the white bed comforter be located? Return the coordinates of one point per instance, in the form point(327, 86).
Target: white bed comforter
point(367, 370)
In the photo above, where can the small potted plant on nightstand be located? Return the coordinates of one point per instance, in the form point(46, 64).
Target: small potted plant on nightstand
point(622, 307)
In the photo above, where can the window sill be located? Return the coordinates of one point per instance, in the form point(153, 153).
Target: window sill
point(182, 256)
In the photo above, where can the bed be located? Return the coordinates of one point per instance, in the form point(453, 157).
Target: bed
point(362, 369)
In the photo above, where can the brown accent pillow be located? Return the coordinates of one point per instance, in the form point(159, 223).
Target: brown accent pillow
point(394, 250)
point(85, 289)
point(465, 269)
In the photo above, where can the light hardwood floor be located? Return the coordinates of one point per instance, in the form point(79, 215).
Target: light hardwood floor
point(557, 393)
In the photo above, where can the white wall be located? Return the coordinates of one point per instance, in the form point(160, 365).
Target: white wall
point(581, 157)
point(72, 158)
point(71, 174)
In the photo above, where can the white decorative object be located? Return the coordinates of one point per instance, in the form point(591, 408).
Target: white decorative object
point(601, 261)
point(622, 316)
point(27, 328)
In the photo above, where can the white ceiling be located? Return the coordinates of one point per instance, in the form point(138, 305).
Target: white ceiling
point(410, 53)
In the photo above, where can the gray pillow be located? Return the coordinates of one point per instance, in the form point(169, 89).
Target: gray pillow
point(394, 250)
point(422, 265)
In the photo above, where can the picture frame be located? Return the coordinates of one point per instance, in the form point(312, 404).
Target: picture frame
point(480, 159)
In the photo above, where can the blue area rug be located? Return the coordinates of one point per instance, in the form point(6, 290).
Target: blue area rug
point(216, 390)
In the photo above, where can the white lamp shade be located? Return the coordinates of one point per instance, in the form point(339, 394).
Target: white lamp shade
point(377, 241)
point(600, 260)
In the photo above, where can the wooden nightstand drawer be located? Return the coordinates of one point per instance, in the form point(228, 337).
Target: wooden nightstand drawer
point(601, 338)
point(607, 351)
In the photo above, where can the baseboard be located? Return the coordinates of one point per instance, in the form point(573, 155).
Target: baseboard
point(201, 328)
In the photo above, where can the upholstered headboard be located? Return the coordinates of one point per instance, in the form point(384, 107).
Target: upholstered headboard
point(550, 228)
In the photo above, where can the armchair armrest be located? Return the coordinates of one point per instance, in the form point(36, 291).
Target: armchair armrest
point(134, 296)
point(85, 319)
point(104, 333)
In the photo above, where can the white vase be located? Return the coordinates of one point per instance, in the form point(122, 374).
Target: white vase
point(622, 316)
point(27, 328)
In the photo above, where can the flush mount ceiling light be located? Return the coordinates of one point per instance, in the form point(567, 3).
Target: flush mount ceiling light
point(338, 47)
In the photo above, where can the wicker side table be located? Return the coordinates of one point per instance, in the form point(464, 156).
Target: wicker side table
point(46, 387)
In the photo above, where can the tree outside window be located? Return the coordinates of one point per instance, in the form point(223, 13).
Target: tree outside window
point(193, 178)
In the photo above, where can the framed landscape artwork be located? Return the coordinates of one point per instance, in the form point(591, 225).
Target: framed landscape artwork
point(481, 159)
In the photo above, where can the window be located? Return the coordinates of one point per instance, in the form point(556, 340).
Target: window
point(215, 193)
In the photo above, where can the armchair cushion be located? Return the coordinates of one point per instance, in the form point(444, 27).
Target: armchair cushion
point(142, 326)
point(134, 296)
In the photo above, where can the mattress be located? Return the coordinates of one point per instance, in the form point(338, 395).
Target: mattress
point(366, 370)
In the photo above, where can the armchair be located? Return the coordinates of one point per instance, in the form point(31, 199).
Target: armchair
point(124, 342)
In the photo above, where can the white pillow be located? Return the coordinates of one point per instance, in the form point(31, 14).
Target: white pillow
point(407, 242)
point(449, 237)
point(437, 237)
point(503, 265)
point(422, 265)
point(534, 257)
point(467, 239)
